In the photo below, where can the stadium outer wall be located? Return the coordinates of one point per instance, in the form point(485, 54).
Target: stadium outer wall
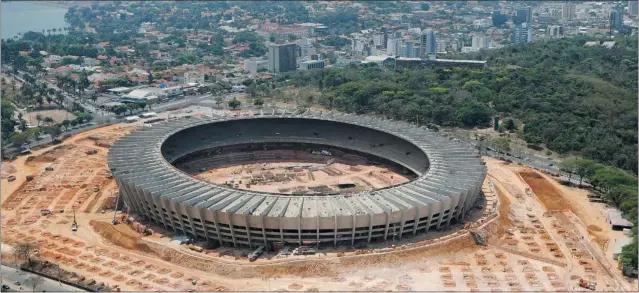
point(449, 181)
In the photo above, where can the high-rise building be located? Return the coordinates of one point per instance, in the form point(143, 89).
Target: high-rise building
point(633, 7)
point(428, 42)
point(282, 57)
point(480, 42)
point(411, 49)
point(616, 18)
point(394, 47)
point(555, 31)
point(441, 45)
point(522, 33)
point(380, 39)
point(523, 15)
point(306, 48)
point(569, 11)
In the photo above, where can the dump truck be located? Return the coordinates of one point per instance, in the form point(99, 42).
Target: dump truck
point(587, 284)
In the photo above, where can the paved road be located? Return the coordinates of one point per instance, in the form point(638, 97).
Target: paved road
point(10, 275)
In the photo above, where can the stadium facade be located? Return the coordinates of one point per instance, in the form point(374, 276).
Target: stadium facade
point(448, 180)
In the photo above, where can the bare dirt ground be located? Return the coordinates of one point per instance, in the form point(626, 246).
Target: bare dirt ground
point(302, 177)
point(530, 248)
point(56, 115)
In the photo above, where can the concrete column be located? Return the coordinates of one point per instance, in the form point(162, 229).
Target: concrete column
point(232, 229)
point(217, 229)
point(191, 223)
point(125, 193)
point(430, 217)
point(440, 220)
point(353, 235)
point(388, 217)
point(370, 227)
point(335, 231)
point(203, 223)
point(401, 228)
point(452, 210)
point(299, 228)
point(318, 232)
point(264, 233)
point(160, 203)
point(174, 207)
point(417, 210)
point(248, 230)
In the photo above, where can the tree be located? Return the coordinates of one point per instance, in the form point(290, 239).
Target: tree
point(48, 120)
point(474, 114)
point(39, 118)
point(26, 251)
point(234, 103)
point(629, 253)
point(258, 102)
point(66, 123)
point(94, 97)
point(509, 124)
point(605, 178)
point(21, 138)
point(53, 130)
point(218, 101)
point(501, 144)
point(569, 166)
point(34, 281)
point(584, 168)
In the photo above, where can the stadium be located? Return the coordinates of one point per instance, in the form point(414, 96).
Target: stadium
point(445, 179)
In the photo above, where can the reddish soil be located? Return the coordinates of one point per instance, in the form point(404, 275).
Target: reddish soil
point(547, 193)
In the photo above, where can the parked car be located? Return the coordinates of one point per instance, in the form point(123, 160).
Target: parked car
point(5, 287)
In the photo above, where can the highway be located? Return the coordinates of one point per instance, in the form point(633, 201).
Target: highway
point(9, 276)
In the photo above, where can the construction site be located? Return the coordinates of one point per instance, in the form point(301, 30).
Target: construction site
point(306, 175)
point(533, 234)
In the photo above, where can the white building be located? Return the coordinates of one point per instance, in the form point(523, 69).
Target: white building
point(88, 61)
point(442, 46)
point(555, 31)
point(569, 11)
point(254, 65)
point(194, 77)
point(312, 64)
point(306, 48)
point(379, 39)
point(480, 42)
point(393, 46)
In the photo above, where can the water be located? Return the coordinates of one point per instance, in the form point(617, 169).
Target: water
point(21, 17)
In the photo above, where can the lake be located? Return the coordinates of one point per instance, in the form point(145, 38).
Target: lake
point(21, 17)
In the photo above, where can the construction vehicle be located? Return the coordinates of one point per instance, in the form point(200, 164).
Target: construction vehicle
point(195, 248)
point(587, 284)
point(74, 226)
point(256, 253)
